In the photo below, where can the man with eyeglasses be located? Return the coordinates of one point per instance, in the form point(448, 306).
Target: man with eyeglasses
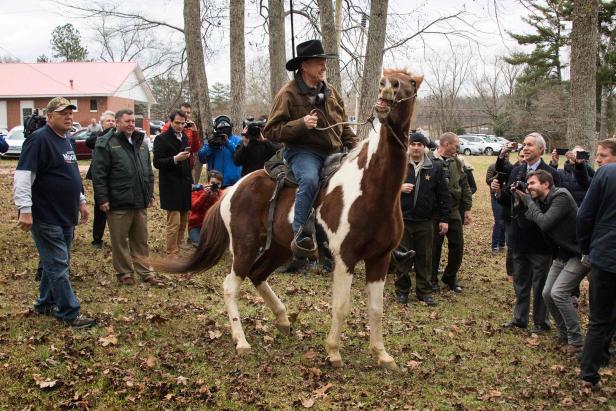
point(171, 158)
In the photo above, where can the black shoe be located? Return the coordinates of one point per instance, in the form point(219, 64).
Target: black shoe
point(295, 266)
point(402, 298)
point(81, 322)
point(428, 300)
point(512, 324)
point(540, 330)
point(45, 310)
point(455, 288)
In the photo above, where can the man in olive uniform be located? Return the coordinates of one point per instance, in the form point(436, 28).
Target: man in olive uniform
point(461, 198)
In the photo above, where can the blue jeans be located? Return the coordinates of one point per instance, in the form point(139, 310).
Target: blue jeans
point(194, 235)
point(306, 166)
point(498, 231)
point(56, 295)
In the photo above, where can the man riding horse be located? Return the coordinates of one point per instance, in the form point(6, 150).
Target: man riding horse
point(301, 107)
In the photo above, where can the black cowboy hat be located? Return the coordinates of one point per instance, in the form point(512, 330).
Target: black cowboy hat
point(311, 49)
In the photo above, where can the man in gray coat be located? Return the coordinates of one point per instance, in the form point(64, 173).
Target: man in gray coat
point(554, 211)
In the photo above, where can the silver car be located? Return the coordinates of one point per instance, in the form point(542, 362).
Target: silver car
point(15, 138)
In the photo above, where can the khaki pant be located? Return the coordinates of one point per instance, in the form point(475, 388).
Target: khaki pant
point(128, 230)
point(176, 230)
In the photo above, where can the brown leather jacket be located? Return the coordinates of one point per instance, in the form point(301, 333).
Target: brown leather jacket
point(286, 121)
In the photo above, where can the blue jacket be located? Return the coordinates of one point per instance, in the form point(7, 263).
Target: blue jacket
point(221, 159)
point(4, 146)
point(596, 220)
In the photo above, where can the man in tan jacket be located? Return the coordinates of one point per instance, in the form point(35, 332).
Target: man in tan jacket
point(303, 105)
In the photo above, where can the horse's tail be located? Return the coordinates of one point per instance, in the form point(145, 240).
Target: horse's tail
point(214, 242)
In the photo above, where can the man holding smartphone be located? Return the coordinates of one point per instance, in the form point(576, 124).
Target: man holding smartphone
point(576, 173)
point(171, 158)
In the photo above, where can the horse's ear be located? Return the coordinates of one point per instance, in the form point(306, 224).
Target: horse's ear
point(418, 79)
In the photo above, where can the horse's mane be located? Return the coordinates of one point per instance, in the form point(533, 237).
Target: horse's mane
point(397, 71)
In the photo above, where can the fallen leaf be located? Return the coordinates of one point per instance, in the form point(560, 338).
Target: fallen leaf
point(260, 327)
point(150, 362)
point(320, 392)
point(533, 342)
point(307, 402)
point(310, 355)
point(215, 334)
point(413, 364)
point(182, 380)
point(155, 318)
point(268, 339)
point(315, 372)
point(44, 383)
point(434, 315)
point(109, 340)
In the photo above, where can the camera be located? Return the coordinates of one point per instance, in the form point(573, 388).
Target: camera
point(33, 122)
point(214, 187)
point(582, 155)
point(253, 128)
point(562, 151)
point(521, 185)
point(217, 139)
point(189, 124)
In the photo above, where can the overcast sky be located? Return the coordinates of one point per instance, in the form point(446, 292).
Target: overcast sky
point(26, 27)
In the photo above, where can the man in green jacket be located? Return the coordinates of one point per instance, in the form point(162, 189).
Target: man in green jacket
point(461, 198)
point(124, 187)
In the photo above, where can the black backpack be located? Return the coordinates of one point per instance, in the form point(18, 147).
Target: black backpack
point(33, 122)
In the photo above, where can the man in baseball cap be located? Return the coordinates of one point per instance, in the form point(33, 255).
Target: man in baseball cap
point(59, 104)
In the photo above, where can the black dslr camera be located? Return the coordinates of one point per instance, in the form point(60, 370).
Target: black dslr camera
point(33, 122)
point(217, 139)
point(253, 128)
point(521, 185)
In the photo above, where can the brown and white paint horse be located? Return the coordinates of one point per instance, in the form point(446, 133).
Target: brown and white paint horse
point(359, 211)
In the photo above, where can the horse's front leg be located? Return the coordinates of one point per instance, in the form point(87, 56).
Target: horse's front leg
point(376, 270)
point(341, 306)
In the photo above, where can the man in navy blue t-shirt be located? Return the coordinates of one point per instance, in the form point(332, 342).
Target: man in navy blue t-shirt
point(48, 195)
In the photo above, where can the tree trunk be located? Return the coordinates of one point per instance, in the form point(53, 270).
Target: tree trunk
point(605, 95)
point(277, 53)
point(197, 78)
point(329, 36)
point(583, 113)
point(374, 62)
point(238, 63)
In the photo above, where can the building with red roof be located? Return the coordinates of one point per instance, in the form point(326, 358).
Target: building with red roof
point(94, 87)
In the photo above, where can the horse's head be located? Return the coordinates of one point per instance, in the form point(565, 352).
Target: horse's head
point(397, 92)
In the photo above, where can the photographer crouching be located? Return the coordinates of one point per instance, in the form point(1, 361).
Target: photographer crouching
point(554, 210)
point(255, 149)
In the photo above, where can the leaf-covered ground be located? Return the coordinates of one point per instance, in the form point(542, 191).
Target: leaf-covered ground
point(170, 347)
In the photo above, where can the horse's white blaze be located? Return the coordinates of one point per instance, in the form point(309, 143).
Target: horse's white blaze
point(273, 302)
point(231, 287)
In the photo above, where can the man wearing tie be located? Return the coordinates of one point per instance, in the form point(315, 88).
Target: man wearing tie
point(532, 255)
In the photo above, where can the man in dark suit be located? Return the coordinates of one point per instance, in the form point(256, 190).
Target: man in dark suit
point(532, 255)
point(171, 154)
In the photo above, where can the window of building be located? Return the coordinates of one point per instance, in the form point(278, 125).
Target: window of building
point(74, 102)
point(93, 105)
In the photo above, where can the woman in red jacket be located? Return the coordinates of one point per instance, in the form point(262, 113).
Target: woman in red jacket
point(203, 197)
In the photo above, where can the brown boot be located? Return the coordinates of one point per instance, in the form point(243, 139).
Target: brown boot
point(126, 279)
point(152, 280)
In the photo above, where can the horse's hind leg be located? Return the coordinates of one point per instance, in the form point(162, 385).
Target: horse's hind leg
point(341, 306)
point(375, 275)
point(231, 288)
point(259, 273)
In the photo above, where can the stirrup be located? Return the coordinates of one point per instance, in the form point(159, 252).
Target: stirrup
point(301, 252)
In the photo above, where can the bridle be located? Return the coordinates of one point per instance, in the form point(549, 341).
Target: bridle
point(370, 119)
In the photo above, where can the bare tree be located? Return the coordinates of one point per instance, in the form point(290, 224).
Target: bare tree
point(329, 37)
point(257, 87)
point(445, 80)
point(238, 63)
point(196, 65)
point(582, 113)
point(374, 61)
point(277, 53)
point(494, 87)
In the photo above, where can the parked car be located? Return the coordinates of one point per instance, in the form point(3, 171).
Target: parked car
point(156, 126)
point(470, 148)
point(488, 146)
point(493, 145)
point(83, 151)
point(15, 138)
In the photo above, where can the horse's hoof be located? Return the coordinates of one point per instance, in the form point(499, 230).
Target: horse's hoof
point(242, 350)
point(283, 329)
point(389, 365)
point(335, 363)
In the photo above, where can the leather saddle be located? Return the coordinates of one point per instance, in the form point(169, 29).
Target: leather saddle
point(279, 171)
